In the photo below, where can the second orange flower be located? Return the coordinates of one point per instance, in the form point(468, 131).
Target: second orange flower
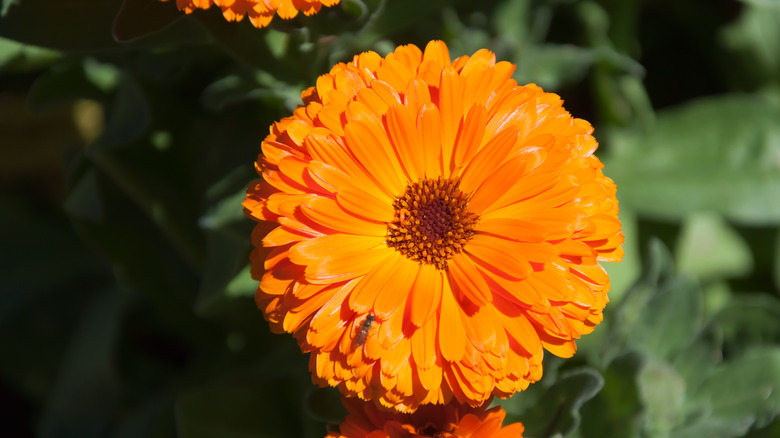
point(259, 12)
point(439, 226)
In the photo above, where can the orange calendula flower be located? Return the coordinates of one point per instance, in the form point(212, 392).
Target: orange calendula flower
point(439, 226)
point(452, 420)
point(259, 12)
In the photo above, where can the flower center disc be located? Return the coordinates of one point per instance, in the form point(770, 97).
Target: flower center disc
point(431, 222)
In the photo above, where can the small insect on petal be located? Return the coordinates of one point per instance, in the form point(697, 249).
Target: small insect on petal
point(362, 333)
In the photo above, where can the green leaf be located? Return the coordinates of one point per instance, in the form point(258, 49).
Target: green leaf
point(5, 5)
point(129, 118)
point(754, 40)
point(625, 273)
point(670, 320)
point(47, 276)
point(354, 8)
point(87, 393)
point(396, 16)
point(249, 45)
point(226, 255)
point(239, 409)
point(745, 322)
point(233, 90)
point(708, 248)
point(776, 269)
point(616, 408)
point(146, 419)
point(324, 404)
point(104, 76)
point(242, 285)
point(228, 238)
point(513, 20)
point(714, 154)
point(659, 315)
point(138, 18)
point(66, 80)
point(461, 38)
point(558, 411)
point(265, 400)
point(15, 56)
point(662, 393)
point(84, 199)
point(552, 66)
point(64, 25)
point(738, 394)
point(141, 254)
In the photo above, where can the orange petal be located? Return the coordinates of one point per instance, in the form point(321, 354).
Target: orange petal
point(528, 186)
point(494, 185)
point(464, 278)
point(416, 95)
point(522, 331)
point(328, 213)
point(393, 295)
point(501, 347)
point(452, 335)
point(381, 274)
point(498, 254)
point(430, 378)
point(407, 141)
point(553, 283)
point(470, 133)
point(331, 150)
point(424, 346)
point(486, 163)
point(488, 428)
point(396, 358)
point(394, 72)
point(282, 236)
point(481, 59)
point(405, 380)
point(390, 331)
point(305, 308)
point(363, 203)
point(331, 247)
point(369, 103)
point(274, 284)
point(513, 430)
point(327, 322)
point(451, 108)
point(374, 152)
point(481, 330)
point(470, 383)
point(425, 295)
point(437, 51)
point(294, 168)
point(558, 347)
point(516, 229)
point(474, 90)
point(338, 258)
point(429, 125)
point(559, 222)
point(467, 425)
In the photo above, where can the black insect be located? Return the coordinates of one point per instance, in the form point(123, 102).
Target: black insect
point(362, 333)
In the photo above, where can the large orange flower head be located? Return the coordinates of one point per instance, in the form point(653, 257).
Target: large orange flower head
point(439, 226)
point(260, 12)
point(452, 420)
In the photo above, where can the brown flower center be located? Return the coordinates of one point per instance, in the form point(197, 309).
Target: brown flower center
point(431, 222)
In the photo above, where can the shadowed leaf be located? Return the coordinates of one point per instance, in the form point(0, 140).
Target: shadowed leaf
point(557, 414)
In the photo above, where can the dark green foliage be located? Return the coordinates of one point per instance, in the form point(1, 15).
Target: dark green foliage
point(129, 131)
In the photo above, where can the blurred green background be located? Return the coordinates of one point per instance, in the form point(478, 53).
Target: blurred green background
point(128, 132)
